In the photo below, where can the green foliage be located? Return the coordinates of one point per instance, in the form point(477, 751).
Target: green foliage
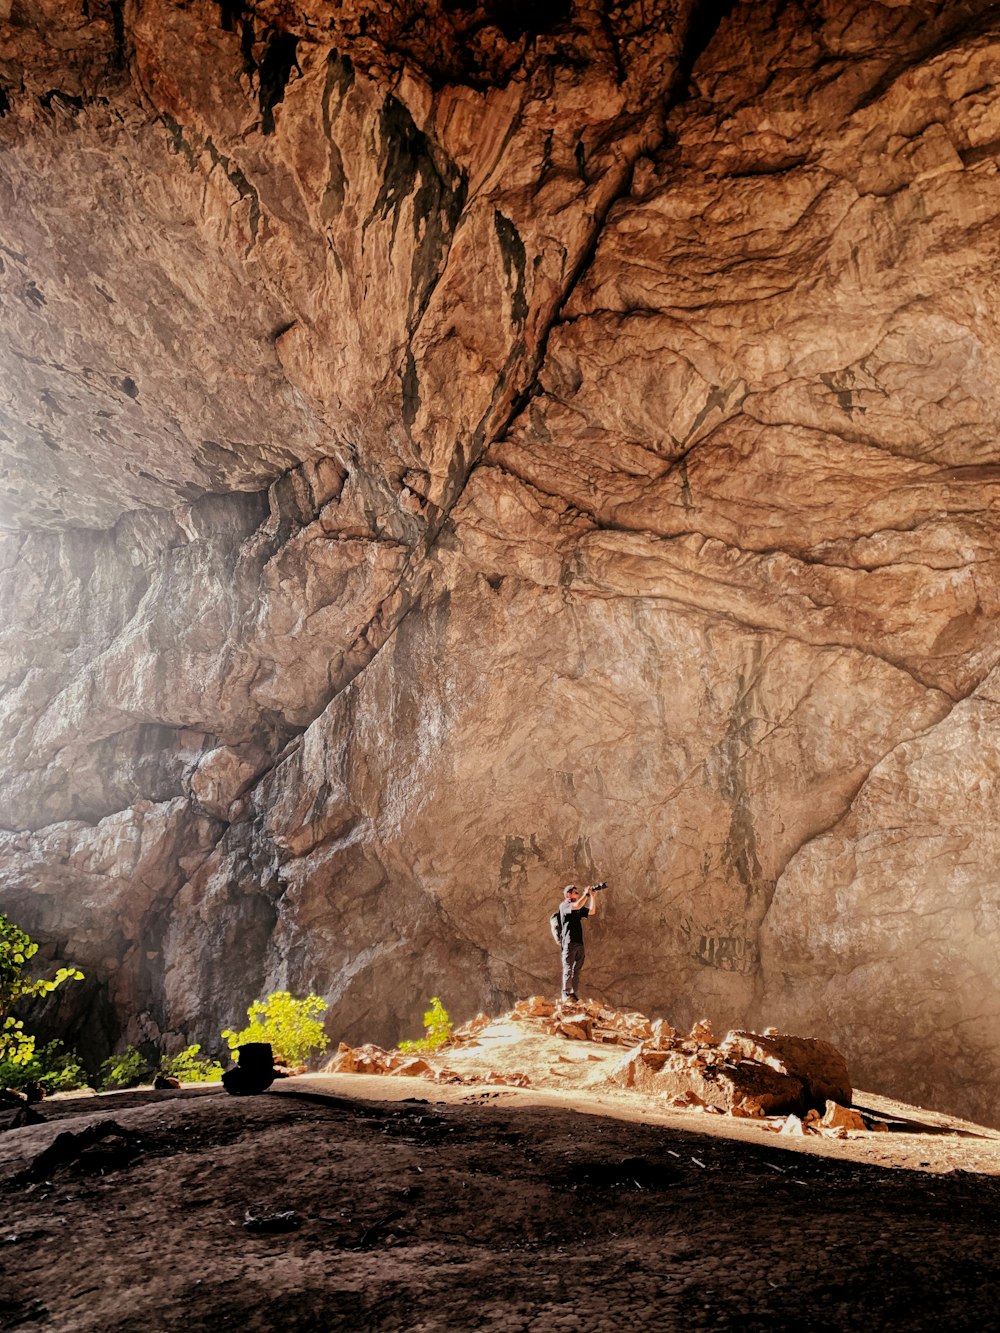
point(130, 1068)
point(55, 1068)
point(17, 1047)
point(292, 1027)
point(437, 1025)
point(124, 1071)
point(189, 1067)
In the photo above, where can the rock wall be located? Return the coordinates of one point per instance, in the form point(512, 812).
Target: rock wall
point(448, 451)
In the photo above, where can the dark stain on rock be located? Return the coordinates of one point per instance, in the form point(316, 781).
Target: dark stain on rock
point(740, 851)
point(514, 860)
point(177, 140)
point(117, 8)
point(333, 195)
point(706, 17)
point(233, 17)
point(457, 473)
point(414, 168)
point(411, 391)
point(580, 153)
point(546, 165)
point(243, 187)
point(515, 18)
point(969, 472)
point(741, 843)
point(728, 953)
point(583, 860)
point(722, 398)
point(129, 386)
point(339, 81)
point(275, 69)
point(687, 499)
point(230, 14)
point(512, 249)
point(56, 100)
point(845, 399)
point(4, 102)
point(33, 297)
point(246, 47)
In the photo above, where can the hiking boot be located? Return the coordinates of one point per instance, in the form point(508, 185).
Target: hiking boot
point(572, 995)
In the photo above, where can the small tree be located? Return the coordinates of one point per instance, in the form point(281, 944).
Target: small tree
point(190, 1067)
point(125, 1070)
point(53, 1066)
point(16, 951)
point(437, 1027)
point(292, 1027)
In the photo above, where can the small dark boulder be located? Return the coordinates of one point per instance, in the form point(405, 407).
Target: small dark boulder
point(254, 1073)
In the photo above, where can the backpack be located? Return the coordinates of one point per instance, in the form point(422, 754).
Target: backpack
point(556, 925)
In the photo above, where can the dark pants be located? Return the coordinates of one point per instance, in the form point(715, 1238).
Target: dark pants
point(572, 962)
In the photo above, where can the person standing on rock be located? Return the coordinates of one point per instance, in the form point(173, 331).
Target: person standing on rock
point(573, 908)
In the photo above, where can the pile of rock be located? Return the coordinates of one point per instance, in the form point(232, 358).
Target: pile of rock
point(369, 1059)
point(588, 1021)
point(793, 1085)
point(746, 1074)
point(583, 1021)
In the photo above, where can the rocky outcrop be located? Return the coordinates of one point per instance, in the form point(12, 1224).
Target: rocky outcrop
point(747, 1073)
point(484, 447)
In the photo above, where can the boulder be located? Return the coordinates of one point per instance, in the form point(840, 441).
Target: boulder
point(819, 1066)
point(841, 1117)
point(662, 1034)
point(751, 1088)
point(793, 1125)
point(703, 1034)
point(367, 1059)
point(579, 1029)
point(414, 1068)
point(536, 1006)
point(255, 1071)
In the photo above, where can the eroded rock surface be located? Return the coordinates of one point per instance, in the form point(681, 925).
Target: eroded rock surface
point(450, 453)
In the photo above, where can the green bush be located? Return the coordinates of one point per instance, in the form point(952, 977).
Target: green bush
point(437, 1025)
point(124, 1071)
point(55, 1068)
point(16, 950)
point(189, 1067)
point(292, 1027)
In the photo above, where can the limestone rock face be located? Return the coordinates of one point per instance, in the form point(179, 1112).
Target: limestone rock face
point(448, 451)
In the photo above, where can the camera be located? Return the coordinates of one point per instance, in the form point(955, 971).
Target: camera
point(595, 887)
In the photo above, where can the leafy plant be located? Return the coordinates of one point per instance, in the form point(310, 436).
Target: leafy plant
point(16, 950)
point(189, 1067)
point(292, 1027)
point(438, 1029)
point(124, 1070)
point(54, 1067)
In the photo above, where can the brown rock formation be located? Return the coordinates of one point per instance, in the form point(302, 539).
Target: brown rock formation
point(455, 448)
